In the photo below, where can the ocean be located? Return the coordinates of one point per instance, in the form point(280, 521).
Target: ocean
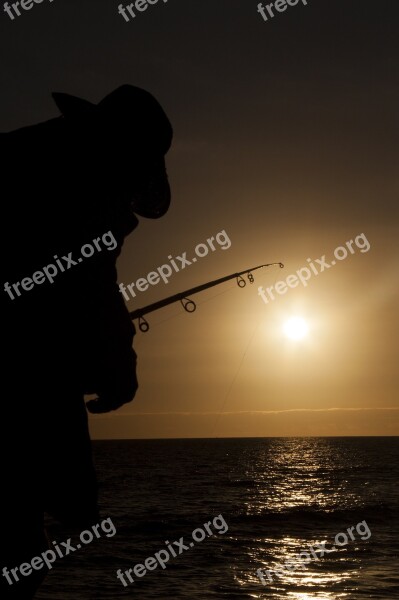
point(278, 497)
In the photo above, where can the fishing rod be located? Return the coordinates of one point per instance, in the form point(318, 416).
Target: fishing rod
point(188, 304)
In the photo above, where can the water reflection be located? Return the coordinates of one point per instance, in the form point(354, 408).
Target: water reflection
point(302, 488)
point(297, 473)
point(317, 596)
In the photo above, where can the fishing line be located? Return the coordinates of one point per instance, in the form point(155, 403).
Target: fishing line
point(190, 306)
point(179, 314)
point(235, 378)
point(183, 297)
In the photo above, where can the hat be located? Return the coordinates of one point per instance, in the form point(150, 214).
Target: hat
point(134, 108)
point(134, 112)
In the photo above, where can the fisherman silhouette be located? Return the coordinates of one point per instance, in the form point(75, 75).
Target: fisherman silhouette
point(77, 178)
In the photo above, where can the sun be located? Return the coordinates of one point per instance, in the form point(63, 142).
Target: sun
point(296, 328)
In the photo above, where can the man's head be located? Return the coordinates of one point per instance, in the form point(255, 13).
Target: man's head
point(127, 135)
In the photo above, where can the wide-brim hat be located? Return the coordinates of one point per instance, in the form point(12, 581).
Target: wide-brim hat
point(135, 114)
point(130, 109)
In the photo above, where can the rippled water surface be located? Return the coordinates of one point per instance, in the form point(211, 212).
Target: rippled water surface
point(278, 497)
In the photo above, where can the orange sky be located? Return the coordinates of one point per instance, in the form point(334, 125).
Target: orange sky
point(292, 159)
point(228, 369)
point(285, 137)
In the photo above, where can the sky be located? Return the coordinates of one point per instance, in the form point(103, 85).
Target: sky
point(285, 144)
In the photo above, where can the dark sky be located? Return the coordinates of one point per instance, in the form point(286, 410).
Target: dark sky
point(286, 137)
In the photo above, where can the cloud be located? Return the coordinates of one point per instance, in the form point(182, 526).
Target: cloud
point(246, 412)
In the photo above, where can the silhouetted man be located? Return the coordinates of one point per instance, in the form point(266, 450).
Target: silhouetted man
point(72, 188)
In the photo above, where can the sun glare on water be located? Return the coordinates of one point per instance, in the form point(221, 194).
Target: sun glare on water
point(296, 328)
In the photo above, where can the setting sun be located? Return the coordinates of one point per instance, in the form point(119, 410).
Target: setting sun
point(296, 328)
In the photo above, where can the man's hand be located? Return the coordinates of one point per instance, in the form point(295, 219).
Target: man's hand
point(118, 386)
point(105, 404)
point(108, 401)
